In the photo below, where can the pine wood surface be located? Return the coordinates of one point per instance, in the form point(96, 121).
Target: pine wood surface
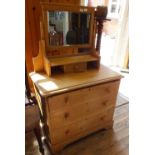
point(109, 90)
point(76, 67)
point(70, 81)
point(72, 59)
point(83, 112)
point(66, 108)
point(76, 114)
point(105, 142)
point(77, 104)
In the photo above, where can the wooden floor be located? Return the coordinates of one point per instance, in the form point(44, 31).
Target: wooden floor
point(105, 142)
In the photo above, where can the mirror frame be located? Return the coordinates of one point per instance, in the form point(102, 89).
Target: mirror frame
point(72, 8)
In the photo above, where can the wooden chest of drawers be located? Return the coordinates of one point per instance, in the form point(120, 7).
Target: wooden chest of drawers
point(72, 111)
point(80, 112)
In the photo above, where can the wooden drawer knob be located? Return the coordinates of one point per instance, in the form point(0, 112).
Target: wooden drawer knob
point(66, 115)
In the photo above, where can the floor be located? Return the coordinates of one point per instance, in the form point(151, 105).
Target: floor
point(105, 142)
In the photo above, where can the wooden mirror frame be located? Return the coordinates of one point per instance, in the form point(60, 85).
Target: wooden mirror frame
point(71, 8)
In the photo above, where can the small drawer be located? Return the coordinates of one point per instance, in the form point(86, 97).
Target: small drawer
point(77, 67)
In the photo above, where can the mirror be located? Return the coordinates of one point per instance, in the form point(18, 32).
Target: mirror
point(68, 28)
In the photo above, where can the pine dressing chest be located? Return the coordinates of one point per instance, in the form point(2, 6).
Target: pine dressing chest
point(76, 95)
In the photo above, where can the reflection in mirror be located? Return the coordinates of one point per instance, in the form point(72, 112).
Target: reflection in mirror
point(68, 28)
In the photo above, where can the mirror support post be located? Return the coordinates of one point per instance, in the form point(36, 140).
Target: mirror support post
point(100, 14)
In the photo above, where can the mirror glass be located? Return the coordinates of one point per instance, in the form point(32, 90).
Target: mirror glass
point(68, 28)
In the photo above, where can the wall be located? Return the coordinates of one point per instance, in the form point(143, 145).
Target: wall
point(122, 38)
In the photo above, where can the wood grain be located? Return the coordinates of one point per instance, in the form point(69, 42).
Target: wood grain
point(76, 114)
point(72, 59)
point(38, 61)
point(67, 100)
point(71, 81)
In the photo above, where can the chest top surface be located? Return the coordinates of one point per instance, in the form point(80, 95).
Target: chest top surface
point(56, 84)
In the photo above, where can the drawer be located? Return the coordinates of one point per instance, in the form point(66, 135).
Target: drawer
point(76, 67)
point(77, 97)
point(73, 115)
point(73, 106)
point(83, 127)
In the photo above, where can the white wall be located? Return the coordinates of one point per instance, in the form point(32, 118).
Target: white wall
point(122, 37)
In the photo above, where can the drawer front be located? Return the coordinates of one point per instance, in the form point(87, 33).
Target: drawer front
point(70, 115)
point(81, 107)
point(82, 127)
point(77, 97)
point(77, 67)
